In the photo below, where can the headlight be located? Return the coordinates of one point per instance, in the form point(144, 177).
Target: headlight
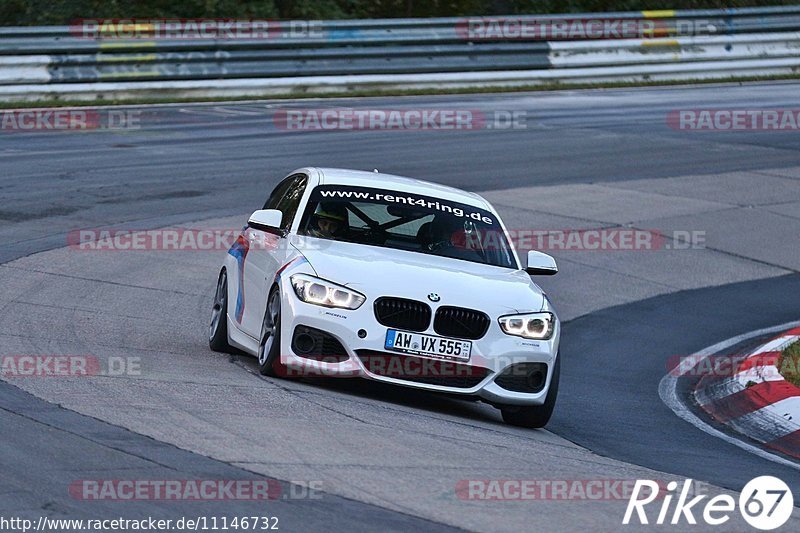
point(322, 292)
point(538, 326)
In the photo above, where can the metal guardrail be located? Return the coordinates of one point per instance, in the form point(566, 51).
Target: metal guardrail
point(52, 62)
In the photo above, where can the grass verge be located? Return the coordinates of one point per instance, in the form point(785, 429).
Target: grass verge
point(789, 365)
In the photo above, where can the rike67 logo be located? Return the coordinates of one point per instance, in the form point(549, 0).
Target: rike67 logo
point(765, 503)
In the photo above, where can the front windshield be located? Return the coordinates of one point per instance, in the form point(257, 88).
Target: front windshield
point(402, 221)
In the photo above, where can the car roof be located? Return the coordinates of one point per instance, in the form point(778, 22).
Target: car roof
point(379, 180)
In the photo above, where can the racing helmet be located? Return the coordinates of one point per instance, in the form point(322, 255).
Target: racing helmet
point(329, 219)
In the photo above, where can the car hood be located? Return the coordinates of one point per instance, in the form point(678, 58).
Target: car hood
point(376, 271)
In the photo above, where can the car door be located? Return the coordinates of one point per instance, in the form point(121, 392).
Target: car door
point(268, 250)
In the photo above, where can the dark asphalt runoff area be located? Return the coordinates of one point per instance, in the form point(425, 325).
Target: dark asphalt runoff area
point(617, 357)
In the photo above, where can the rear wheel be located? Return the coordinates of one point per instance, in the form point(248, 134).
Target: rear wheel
point(218, 329)
point(269, 347)
point(535, 416)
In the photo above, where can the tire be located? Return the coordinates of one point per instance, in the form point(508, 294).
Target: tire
point(269, 346)
point(535, 416)
point(218, 329)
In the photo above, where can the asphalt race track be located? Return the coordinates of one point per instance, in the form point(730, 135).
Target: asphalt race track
point(382, 455)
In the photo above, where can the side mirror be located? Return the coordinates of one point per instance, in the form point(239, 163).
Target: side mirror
point(540, 264)
point(266, 219)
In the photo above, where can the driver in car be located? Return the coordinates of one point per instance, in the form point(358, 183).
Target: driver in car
point(446, 232)
point(329, 221)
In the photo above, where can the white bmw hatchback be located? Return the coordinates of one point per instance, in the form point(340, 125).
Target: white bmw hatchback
point(350, 273)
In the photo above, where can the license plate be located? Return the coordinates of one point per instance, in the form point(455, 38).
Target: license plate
point(428, 345)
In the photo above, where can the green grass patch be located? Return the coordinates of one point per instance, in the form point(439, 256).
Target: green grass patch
point(789, 365)
point(555, 86)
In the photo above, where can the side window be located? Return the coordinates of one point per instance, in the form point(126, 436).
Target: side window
point(286, 198)
point(278, 192)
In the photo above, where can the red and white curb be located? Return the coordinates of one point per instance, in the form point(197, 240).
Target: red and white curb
point(756, 400)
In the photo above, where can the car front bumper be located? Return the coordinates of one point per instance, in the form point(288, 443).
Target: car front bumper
point(493, 353)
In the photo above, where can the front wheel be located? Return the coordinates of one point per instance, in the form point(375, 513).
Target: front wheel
point(535, 416)
point(218, 329)
point(269, 347)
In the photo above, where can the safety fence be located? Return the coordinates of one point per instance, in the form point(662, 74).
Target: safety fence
point(96, 59)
